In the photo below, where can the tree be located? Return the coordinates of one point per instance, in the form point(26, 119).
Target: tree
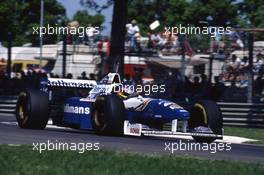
point(91, 4)
point(8, 20)
point(175, 12)
point(84, 18)
point(222, 12)
point(252, 12)
point(19, 16)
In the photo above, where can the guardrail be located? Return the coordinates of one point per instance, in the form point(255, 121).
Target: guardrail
point(8, 104)
point(234, 114)
point(242, 114)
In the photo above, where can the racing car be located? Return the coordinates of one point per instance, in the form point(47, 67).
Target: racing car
point(106, 112)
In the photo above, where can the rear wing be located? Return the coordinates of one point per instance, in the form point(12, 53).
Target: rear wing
point(48, 83)
point(60, 82)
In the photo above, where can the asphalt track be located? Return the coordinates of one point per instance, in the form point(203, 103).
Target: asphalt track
point(10, 133)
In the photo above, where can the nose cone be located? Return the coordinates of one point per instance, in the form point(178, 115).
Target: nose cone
point(182, 114)
point(175, 111)
point(178, 112)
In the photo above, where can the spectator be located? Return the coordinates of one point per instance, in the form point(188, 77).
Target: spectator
point(83, 76)
point(258, 85)
point(204, 79)
point(69, 76)
point(218, 89)
point(90, 34)
point(132, 30)
point(92, 76)
point(171, 41)
point(188, 85)
point(156, 39)
point(51, 75)
point(150, 43)
point(196, 86)
point(104, 52)
point(259, 63)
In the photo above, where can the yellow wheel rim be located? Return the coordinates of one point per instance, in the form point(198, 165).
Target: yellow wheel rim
point(21, 111)
point(204, 112)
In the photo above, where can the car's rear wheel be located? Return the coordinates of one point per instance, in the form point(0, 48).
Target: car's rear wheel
point(206, 117)
point(108, 115)
point(32, 109)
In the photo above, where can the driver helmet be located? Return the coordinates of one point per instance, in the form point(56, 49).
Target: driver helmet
point(125, 92)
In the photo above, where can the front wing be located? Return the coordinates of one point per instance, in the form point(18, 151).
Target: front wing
point(137, 129)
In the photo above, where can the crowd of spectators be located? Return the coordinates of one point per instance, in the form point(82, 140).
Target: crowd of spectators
point(235, 76)
point(167, 43)
point(18, 81)
point(194, 87)
point(155, 41)
point(236, 70)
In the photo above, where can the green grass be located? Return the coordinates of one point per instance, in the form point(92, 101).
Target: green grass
point(22, 160)
point(250, 133)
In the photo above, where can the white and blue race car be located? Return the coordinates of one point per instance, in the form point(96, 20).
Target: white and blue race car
point(109, 113)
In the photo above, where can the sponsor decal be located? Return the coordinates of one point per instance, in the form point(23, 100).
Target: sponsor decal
point(158, 116)
point(76, 109)
point(100, 89)
point(106, 80)
point(132, 129)
point(135, 130)
point(172, 105)
point(142, 106)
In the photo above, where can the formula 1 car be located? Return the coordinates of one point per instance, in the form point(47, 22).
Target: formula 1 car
point(109, 113)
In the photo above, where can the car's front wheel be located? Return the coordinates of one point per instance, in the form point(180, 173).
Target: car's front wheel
point(108, 115)
point(206, 118)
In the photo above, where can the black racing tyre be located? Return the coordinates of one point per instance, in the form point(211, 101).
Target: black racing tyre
point(108, 115)
point(32, 109)
point(206, 114)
